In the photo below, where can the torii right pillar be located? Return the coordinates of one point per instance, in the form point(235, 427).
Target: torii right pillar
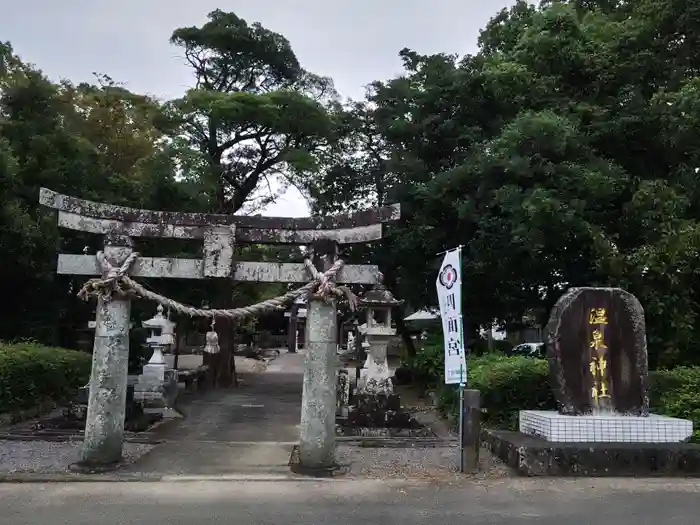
point(317, 436)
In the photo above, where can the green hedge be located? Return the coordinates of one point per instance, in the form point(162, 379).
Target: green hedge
point(506, 384)
point(676, 393)
point(510, 384)
point(31, 374)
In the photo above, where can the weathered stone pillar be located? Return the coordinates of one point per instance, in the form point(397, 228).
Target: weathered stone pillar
point(317, 439)
point(104, 427)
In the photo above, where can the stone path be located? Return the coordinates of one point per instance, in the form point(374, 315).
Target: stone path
point(250, 429)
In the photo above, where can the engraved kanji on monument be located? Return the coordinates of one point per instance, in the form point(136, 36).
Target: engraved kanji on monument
point(597, 351)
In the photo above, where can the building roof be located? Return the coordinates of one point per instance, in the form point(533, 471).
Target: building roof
point(431, 314)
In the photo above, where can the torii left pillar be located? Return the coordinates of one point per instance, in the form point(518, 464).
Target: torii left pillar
point(317, 435)
point(104, 426)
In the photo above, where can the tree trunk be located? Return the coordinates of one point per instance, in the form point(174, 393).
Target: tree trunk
point(225, 375)
point(210, 360)
point(404, 333)
point(292, 329)
point(402, 329)
point(222, 369)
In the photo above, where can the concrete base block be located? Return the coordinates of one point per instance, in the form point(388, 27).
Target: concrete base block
point(532, 456)
point(604, 428)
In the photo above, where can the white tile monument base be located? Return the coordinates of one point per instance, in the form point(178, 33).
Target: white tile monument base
point(555, 427)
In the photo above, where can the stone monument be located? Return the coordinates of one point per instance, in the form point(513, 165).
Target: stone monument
point(596, 347)
point(156, 387)
point(598, 354)
point(375, 378)
point(351, 342)
point(342, 395)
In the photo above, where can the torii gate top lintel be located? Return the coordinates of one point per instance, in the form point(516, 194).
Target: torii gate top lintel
point(96, 217)
point(219, 233)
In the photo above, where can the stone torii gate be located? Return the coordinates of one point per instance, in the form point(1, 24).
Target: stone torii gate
point(104, 431)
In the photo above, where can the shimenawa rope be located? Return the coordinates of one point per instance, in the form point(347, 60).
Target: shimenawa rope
point(117, 281)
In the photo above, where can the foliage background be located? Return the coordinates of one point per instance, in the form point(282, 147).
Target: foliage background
point(563, 153)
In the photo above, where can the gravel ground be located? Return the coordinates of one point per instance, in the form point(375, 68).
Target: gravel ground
point(51, 457)
point(438, 464)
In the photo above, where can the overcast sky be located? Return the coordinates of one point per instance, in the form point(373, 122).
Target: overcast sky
point(353, 42)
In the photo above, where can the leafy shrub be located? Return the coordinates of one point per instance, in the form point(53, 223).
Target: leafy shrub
point(31, 374)
point(506, 384)
point(675, 393)
point(426, 367)
point(395, 347)
point(265, 339)
point(510, 384)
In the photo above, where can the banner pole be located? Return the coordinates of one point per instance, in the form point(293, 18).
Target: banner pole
point(461, 419)
point(455, 305)
point(461, 368)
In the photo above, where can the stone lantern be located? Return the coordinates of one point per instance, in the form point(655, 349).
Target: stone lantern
point(375, 378)
point(156, 387)
point(162, 336)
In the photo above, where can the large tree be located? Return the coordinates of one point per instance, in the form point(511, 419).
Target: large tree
point(561, 154)
point(254, 122)
point(96, 141)
point(255, 117)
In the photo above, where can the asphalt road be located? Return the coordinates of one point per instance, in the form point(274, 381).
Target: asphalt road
point(503, 502)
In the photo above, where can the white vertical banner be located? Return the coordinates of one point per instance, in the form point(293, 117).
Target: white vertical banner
point(449, 292)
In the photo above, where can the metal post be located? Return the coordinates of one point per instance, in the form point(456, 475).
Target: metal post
point(317, 436)
point(461, 427)
point(104, 427)
point(470, 425)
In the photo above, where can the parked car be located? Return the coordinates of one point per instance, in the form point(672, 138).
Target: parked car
point(530, 350)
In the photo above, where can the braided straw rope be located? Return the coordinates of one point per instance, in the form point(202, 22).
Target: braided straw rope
point(117, 281)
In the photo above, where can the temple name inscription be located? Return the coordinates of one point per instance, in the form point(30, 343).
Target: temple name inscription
point(600, 389)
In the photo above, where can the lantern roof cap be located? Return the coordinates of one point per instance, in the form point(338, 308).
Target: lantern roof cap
point(159, 321)
point(379, 296)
